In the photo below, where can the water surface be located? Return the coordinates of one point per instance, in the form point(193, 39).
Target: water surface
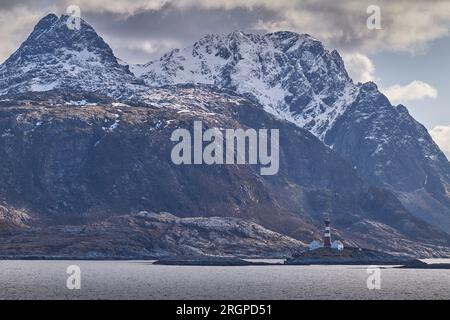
point(142, 280)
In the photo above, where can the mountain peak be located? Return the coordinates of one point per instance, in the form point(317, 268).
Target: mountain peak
point(46, 22)
point(53, 23)
point(55, 56)
point(237, 33)
point(290, 34)
point(292, 75)
point(52, 33)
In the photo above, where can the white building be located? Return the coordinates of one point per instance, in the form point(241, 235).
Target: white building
point(337, 245)
point(315, 245)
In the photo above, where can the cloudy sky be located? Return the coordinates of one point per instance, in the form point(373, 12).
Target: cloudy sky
point(409, 57)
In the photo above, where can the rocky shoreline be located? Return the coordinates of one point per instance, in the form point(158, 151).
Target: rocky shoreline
point(352, 256)
point(323, 256)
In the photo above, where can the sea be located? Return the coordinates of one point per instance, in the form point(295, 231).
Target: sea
point(142, 280)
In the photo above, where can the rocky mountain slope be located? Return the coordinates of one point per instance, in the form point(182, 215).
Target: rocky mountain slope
point(146, 235)
point(79, 164)
point(297, 79)
point(389, 148)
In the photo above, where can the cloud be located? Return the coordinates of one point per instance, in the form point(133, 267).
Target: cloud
point(125, 8)
point(407, 25)
point(441, 135)
point(413, 91)
point(136, 33)
point(359, 67)
point(137, 50)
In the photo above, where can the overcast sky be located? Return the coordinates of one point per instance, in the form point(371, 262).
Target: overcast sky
point(409, 57)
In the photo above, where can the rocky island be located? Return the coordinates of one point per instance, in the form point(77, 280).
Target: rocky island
point(350, 255)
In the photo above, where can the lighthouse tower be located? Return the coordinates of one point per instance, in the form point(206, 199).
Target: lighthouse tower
point(327, 235)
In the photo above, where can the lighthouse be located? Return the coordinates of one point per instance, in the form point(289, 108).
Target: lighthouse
point(335, 245)
point(327, 234)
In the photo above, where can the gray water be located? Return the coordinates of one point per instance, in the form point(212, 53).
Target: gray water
point(142, 280)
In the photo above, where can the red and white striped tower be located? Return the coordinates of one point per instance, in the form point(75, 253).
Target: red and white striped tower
point(327, 235)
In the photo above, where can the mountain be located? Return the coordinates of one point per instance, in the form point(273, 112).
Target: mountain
point(291, 75)
point(56, 57)
point(295, 78)
point(391, 149)
point(84, 152)
point(69, 164)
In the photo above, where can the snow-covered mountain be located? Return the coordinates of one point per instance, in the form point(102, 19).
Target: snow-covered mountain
point(293, 76)
point(56, 57)
point(389, 147)
point(297, 79)
point(289, 75)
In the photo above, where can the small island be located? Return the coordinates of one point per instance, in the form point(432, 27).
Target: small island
point(330, 252)
point(347, 256)
point(207, 261)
